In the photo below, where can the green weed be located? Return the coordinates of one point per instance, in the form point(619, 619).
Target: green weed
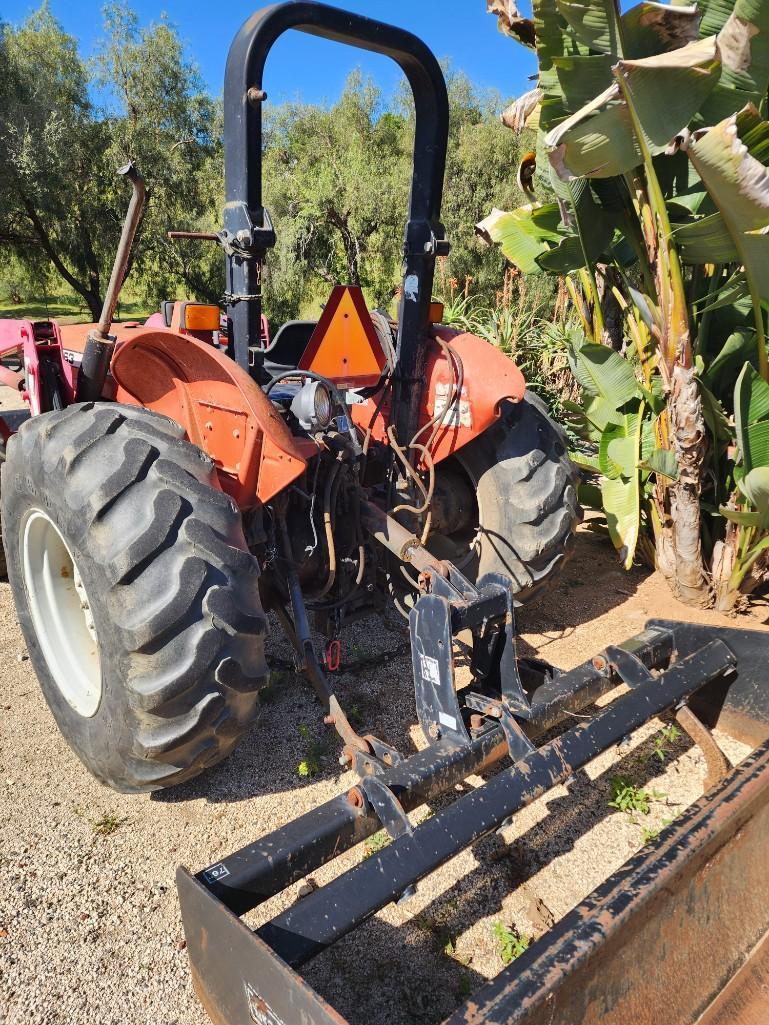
point(376, 843)
point(107, 824)
point(629, 798)
point(511, 942)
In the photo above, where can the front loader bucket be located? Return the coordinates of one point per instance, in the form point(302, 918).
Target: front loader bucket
point(677, 933)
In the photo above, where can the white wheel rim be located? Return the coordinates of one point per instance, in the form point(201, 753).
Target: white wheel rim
point(61, 612)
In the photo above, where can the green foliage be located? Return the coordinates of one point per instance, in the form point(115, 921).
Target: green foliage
point(651, 137)
point(314, 753)
point(631, 799)
point(61, 205)
point(337, 179)
point(376, 843)
point(107, 824)
point(511, 943)
point(649, 833)
point(667, 736)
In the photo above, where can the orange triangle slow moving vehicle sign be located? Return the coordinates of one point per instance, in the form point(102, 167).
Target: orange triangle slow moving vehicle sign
point(344, 345)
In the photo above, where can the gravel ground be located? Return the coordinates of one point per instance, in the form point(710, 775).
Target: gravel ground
point(89, 925)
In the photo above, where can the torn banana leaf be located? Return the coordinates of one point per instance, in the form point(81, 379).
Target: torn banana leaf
point(666, 91)
point(738, 183)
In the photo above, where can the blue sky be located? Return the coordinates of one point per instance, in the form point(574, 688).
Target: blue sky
point(311, 68)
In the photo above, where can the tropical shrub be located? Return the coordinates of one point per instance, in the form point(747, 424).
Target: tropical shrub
point(648, 188)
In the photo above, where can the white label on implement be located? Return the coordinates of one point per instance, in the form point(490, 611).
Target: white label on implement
point(259, 1009)
point(216, 872)
point(460, 414)
point(447, 720)
point(431, 671)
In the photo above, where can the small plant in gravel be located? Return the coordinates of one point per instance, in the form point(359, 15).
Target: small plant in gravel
point(512, 943)
point(629, 798)
point(314, 753)
point(651, 833)
point(107, 824)
point(376, 843)
point(667, 736)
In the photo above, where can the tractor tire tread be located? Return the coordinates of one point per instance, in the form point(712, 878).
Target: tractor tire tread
point(180, 612)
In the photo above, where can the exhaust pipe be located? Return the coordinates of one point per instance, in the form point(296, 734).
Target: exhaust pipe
point(100, 343)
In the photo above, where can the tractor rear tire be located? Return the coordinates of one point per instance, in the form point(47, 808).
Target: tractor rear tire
point(135, 591)
point(526, 490)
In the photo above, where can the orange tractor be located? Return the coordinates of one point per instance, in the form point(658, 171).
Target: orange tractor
point(180, 477)
point(177, 477)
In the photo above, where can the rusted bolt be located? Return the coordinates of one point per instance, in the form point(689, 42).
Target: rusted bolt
point(476, 721)
point(355, 797)
point(599, 663)
point(208, 425)
point(329, 720)
point(255, 95)
point(433, 730)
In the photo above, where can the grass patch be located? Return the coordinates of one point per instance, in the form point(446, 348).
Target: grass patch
point(315, 752)
point(107, 824)
point(67, 309)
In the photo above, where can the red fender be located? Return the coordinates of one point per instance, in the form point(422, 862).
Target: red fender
point(221, 408)
point(489, 377)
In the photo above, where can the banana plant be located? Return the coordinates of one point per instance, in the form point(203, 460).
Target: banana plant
point(651, 157)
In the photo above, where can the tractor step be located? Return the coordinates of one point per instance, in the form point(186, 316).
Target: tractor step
point(244, 976)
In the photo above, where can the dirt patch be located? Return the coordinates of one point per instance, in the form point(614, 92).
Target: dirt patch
point(89, 924)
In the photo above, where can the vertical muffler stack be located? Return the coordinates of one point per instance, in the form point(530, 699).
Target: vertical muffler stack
point(100, 344)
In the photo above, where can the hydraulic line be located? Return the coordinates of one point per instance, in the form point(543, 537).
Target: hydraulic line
point(328, 527)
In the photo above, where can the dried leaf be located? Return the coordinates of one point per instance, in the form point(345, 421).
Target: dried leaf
point(510, 21)
point(518, 113)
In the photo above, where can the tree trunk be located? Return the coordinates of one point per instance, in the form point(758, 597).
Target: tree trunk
point(721, 570)
point(90, 295)
point(690, 445)
point(350, 244)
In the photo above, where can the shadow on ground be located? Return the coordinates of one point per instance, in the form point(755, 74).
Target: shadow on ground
point(375, 686)
point(422, 978)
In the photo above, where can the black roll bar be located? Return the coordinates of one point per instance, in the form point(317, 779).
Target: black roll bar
point(248, 231)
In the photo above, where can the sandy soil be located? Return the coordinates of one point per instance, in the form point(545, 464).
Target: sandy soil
point(89, 925)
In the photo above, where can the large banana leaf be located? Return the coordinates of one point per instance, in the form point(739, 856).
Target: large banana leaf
point(738, 183)
point(523, 234)
point(618, 450)
point(738, 349)
point(510, 21)
point(650, 28)
point(607, 382)
point(751, 419)
point(619, 458)
point(622, 506)
point(706, 240)
point(667, 90)
point(645, 29)
point(594, 24)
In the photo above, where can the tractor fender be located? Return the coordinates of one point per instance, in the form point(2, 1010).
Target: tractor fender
point(489, 378)
point(222, 410)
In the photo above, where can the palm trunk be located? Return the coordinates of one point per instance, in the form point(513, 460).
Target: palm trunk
point(690, 445)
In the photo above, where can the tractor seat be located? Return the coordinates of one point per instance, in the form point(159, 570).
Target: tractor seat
point(286, 348)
